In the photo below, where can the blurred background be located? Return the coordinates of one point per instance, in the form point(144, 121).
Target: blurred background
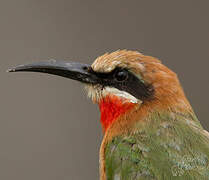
point(48, 128)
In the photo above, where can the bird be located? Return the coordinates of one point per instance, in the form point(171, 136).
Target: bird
point(150, 131)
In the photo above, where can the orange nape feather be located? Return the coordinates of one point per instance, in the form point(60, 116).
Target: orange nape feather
point(111, 107)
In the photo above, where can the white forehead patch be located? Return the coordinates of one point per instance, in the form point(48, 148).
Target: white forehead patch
point(96, 93)
point(106, 67)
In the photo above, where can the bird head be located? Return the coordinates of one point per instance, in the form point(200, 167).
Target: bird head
point(125, 84)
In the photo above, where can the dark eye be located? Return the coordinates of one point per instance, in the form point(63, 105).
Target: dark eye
point(121, 75)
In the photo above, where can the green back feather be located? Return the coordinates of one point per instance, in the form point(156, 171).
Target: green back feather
point(168, 146)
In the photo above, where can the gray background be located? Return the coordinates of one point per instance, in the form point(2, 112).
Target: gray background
point(48, 128)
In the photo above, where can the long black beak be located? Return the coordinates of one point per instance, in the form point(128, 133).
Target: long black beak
point(72, 70)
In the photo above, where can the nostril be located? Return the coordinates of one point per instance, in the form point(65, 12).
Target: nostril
point(85, 68)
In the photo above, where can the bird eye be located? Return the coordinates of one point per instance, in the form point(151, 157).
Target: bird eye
point(121, 75)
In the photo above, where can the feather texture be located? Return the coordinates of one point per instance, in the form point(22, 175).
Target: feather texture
point(169, 146)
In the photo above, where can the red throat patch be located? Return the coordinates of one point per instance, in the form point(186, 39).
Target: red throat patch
point(111, 107)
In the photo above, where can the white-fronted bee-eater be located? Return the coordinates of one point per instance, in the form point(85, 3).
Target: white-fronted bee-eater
point(150, 129)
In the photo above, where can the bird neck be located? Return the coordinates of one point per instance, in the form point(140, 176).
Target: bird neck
point(111, 108)
point(119, 116)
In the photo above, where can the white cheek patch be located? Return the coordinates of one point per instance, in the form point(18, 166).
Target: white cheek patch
point(122, 94)
point(96, 93)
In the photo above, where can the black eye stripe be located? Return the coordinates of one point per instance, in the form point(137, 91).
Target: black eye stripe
point(130, 84)
point(108, 75)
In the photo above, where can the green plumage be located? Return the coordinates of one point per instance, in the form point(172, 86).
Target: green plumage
point(168, 146)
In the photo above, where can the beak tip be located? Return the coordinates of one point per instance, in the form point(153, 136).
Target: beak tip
point(15, 69)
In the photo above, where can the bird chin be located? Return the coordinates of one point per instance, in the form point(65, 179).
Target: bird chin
point(98, 92)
